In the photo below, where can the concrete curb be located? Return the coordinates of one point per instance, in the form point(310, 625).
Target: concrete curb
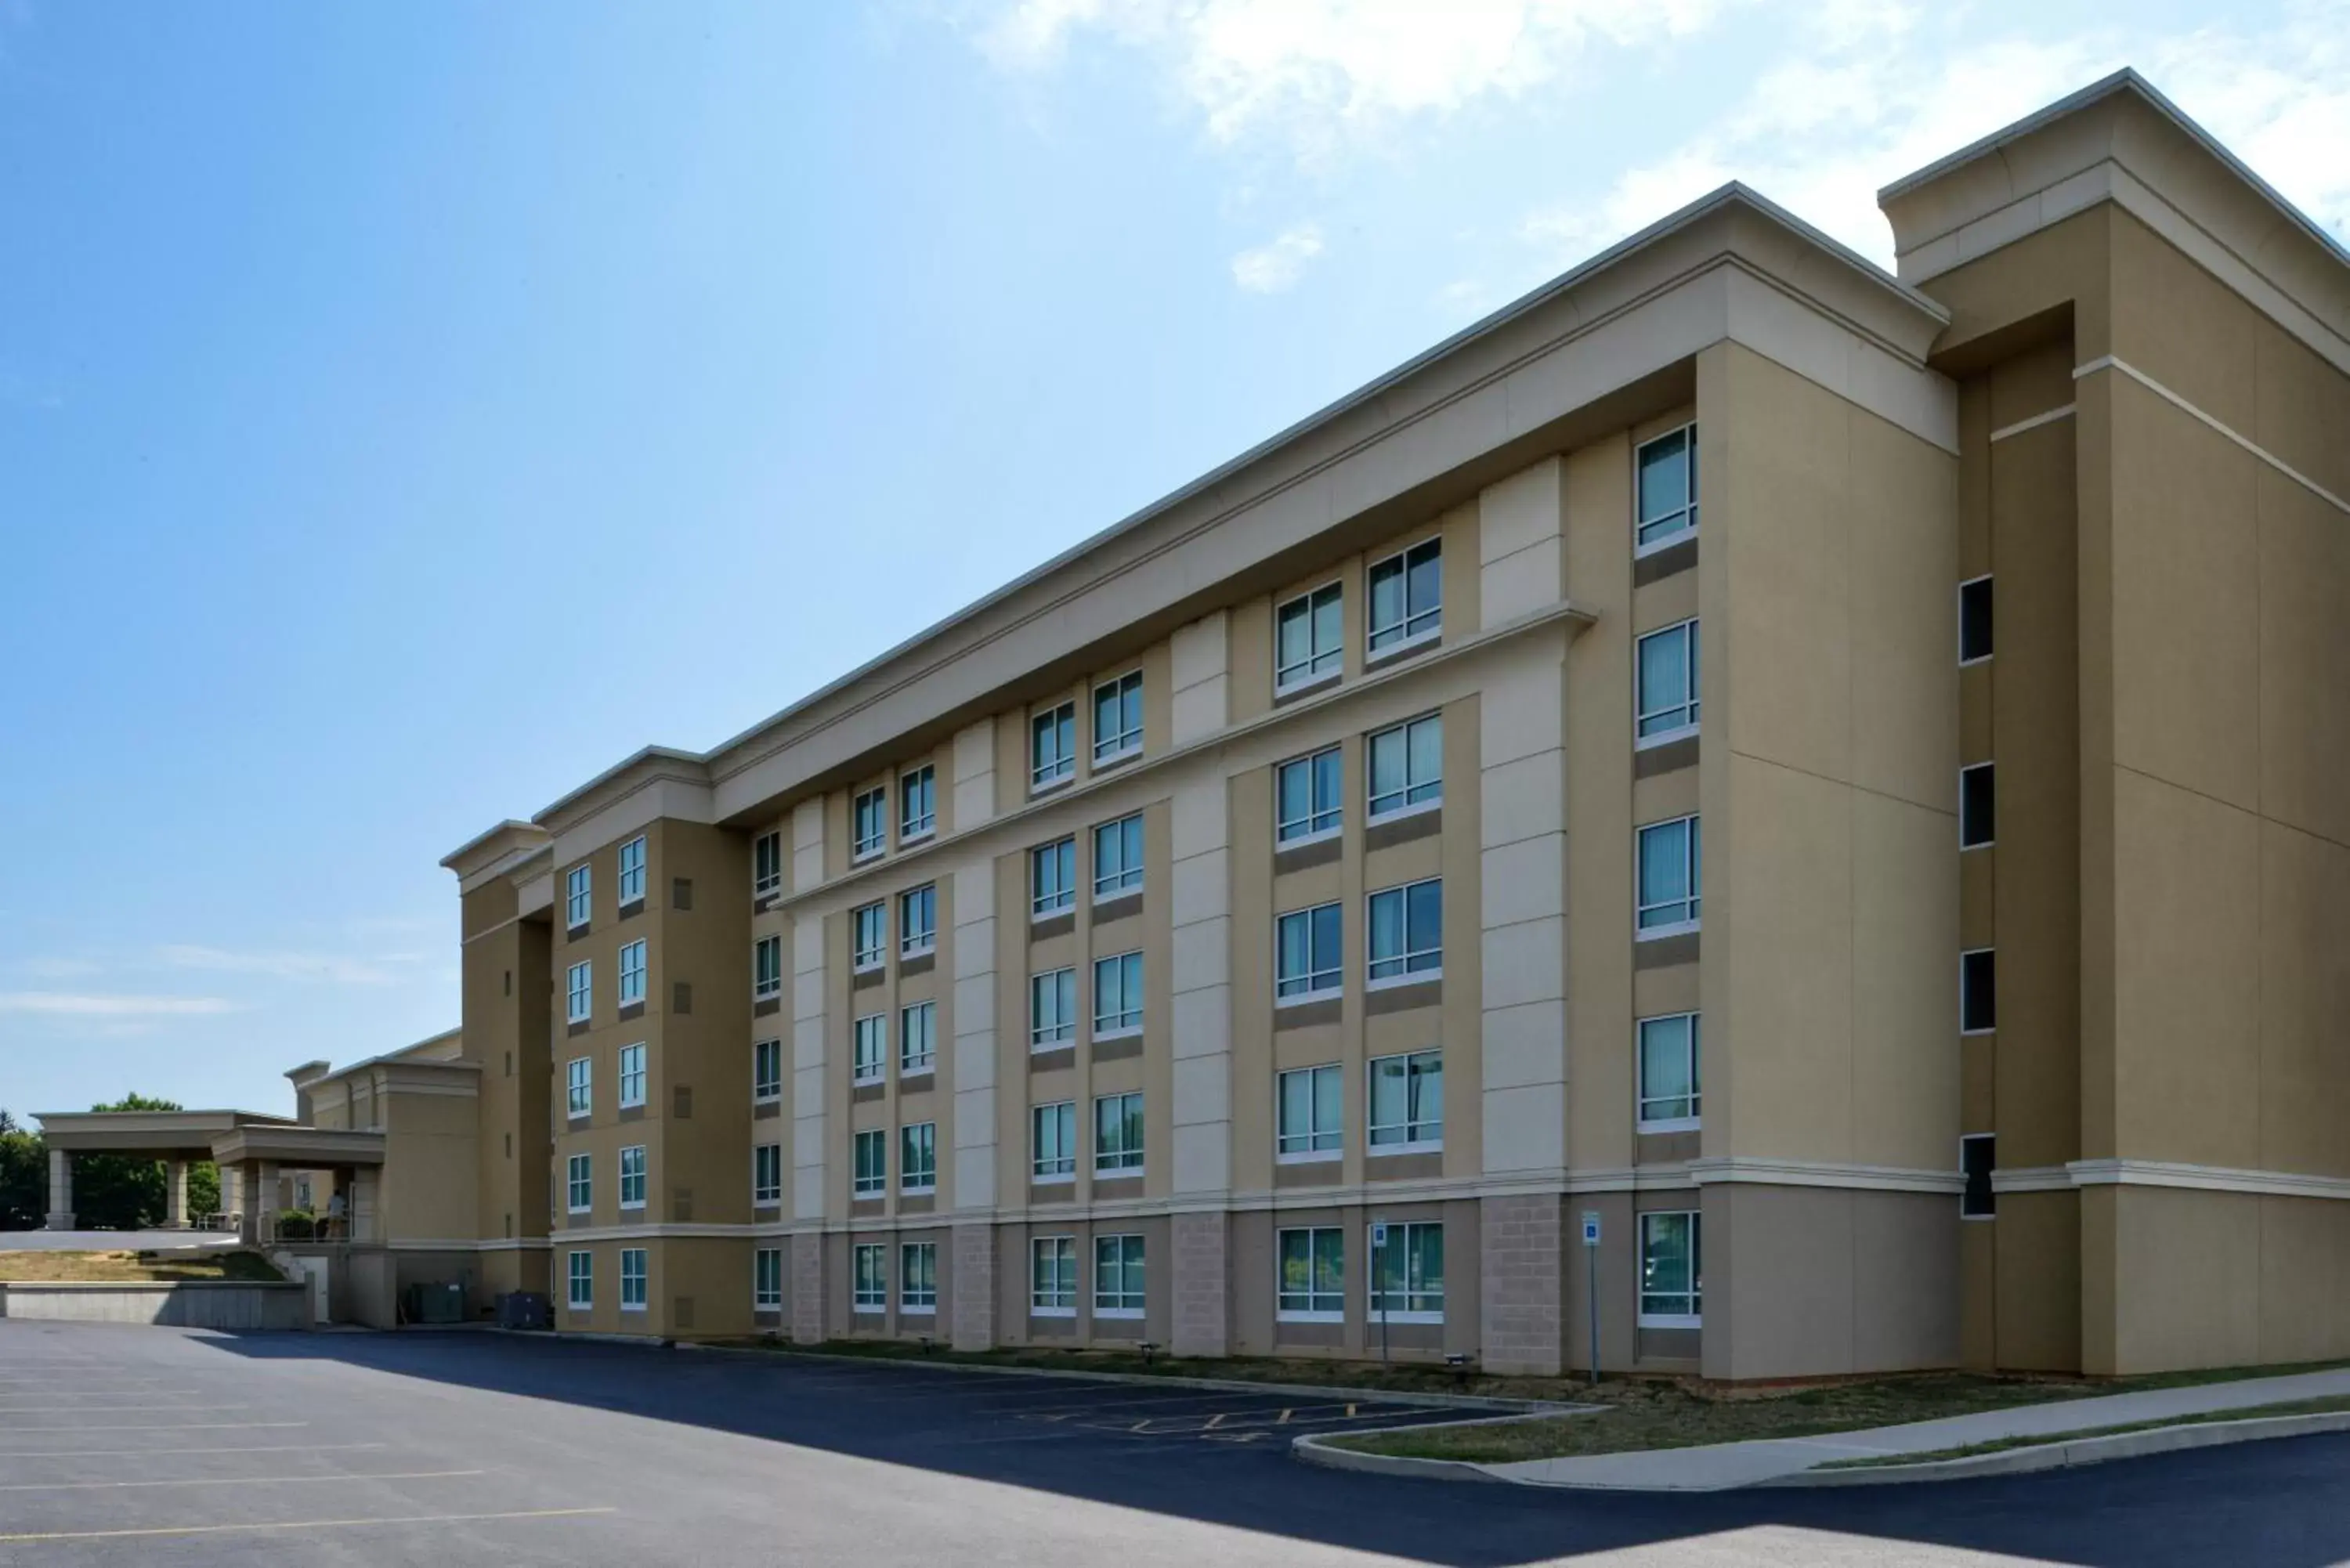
point(2060, 1454)
point(1320, 1448)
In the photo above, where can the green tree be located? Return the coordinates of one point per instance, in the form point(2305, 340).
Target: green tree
point(24, 1177)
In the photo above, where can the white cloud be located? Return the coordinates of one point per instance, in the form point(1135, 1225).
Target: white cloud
point(324, 967)
point(1270, 268)
point(91, 1005)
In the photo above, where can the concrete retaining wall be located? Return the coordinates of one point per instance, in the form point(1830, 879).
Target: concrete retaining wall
point(203, 1304)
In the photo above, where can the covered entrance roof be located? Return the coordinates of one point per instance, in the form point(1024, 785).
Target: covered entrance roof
point(226, 1136)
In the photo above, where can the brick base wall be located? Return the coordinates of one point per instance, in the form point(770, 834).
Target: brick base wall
point(1201, 1272)
point(974, 1287)
point(1522, 1276)
point(807, 1290)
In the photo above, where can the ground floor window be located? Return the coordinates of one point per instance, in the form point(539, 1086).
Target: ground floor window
point(1118, 1276)
point(767, 1280)
point(1407, 1273)
point(918, 1277)
point(1053, 1276)
point(1672, 1270)
point(872, 1277)
point(632, 1279)
point(1312, 1275)
point(583, 1281)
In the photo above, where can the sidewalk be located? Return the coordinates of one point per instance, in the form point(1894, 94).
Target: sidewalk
point(1725, 1465)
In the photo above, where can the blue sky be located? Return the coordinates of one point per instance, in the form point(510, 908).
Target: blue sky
point(406, 411)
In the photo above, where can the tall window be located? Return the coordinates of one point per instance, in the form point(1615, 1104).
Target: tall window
point(1307, 639)
point(918, 1038)
point(918, 1277)
point(869, 927)
point(1053, 1141)
point(1668, 1073)
point(872, 1163)
point(632, 1075)
point(632, 1279)
point(1052, 879)
point(1408, 1103)
point(1668, 481)
point(1117, 1133)
point(1407, 932)
point(1407, 1273)
point(872, 1292)
point(580, 991)
point(767, 864)
point(1307, 963)
point(1978, 807)
point(579, 1086)
point(1974, 620)
point(1053, 1276)
point(1117, 718)
point(868, 823)
point(869, 1048)
point(1117, 996)
point(1312, 1121)
point(918, 920)
point(767, 1070)
point(576, 904)
point(1052, 746)
point(581, 1274)
point(766, 1174)
point(632, 870)
point(918, 804)
point(767, 1280)
point(918, 1158)
point(579, 1183)
point(1118, 857)
point(632, 971)
point(1312, 1286)
point(1307, 798)
point(1671, 879)
point(1118, 1276)
point(1052, 1008)
point(1407, 597)
point(1978, 991)
point(1672, 1270)
point(1407, 766)
point(632, 1177)
point(767, 968)
point(1666, 704)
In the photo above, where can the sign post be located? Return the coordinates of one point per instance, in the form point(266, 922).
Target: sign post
point(1591, 1277)
point(1378, 1257)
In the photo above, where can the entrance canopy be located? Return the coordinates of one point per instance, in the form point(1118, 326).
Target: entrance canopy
point(228, 1137)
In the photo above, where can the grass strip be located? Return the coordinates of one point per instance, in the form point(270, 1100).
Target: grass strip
point(135, 1269)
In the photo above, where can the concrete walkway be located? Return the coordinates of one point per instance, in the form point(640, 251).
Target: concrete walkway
point(117, 1241)
point(1720, 1466)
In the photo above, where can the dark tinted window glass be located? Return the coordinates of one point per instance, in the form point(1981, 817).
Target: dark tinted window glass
point(1977, 807)
point(1974, 620)
point(1976, 991)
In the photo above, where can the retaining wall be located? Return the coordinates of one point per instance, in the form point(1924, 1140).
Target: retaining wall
point(200, 1303)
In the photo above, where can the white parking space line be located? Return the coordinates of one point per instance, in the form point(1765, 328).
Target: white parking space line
point(301, 1524)
point(170, 1426)
point(134, 1453)
point(226, 1481)
point(109, 1409)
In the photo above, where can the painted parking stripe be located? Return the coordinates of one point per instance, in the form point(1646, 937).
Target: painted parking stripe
point(226, 1481)
point(172, 1427)
point(134, 1453)
point(109, 1409)
point(300, 1524)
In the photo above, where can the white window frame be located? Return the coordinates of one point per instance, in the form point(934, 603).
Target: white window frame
point(1695, 1295)
point(578, 1088)
point(917, 804)
point(1124, 1020)
point(1121, 1304)
point(1688, 510)
point(1045, 1169)
point(631, 1074)
point(876, 1182)
point(1644, 1099)
point(637, 1176)
point(914, 942)
point(632, 871)
point(1993, 1027)
point(1112, 1158)
point(1062, 1029)
point(1055, 1301)
point(1692, 897)
point(767, 864)
point(1372, 1127)
point(1286, 834)
point(1992, 838)
point(579, 1184)
point(1406, 1314)
point(868, 1048)
point(911, 1183)
point(868, 951)
point(917, 1039)
point(639, 950)
point(580, 991)
point(1321, 665)
point(1127, 877)
point(766, 968)
point(1112, 748)
point(1313, 1310)
point(1431, 617)
point(1404, 974)
point(868, 808)
point(1320, 982)
point(1646, 705)
point(641, 1275)
point(1960, 604)
point(1053, 772)
point(578, 896)
point(1430, 791)
point(767, 1184)
point(579, 1280)
point(766, 1088)
point(1315, 1144)
point(1046, 905)
point(922, 1300)
point(767, 1278)
point(869, 1278)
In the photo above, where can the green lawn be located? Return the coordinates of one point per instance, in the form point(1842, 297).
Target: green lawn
point(134, 1268)
point(2002, 1445)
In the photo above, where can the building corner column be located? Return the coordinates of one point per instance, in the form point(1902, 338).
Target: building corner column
point(974, 1324)
point(807, 1288)
point(175, 1196)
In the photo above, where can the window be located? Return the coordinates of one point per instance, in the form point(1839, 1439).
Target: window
point(1117, 996)
point(632, 971)
point(1052, 746)
point(869, 927)
point(766, 1174)
point(918, 1044)
point(1407, 597)
point(918, 1277)
point(1670, 879)
point(579, 1086)
point(1307, 638)
point(1407, 766)
point(1978, 992)
point(1407, 1273)
point(579, 1183)
point(767, 1070)
point(918, 1158)
point(767, 968)
point(632, 870)
point(1117, 1133)
point(918, 920)
point(1668, 480)
point(918, 804)
point(869, 1037)
point(1052, 1008)
point(632, 1177)
point(576, 903)
point(1118, 857)
point(1407, 932)
point(1307, 803)
point(578, 993)
point(1408, 1103)
point(632, 1077)
point(1666, 704)
point(632, 1279)
point(1118, 1276)
point(1117, 718)
point(1307, 963)
point(1312, 1287)
point(1311, 1118)
point(872, 1277)
point(767, 1280)
point(1978, 1158)
point(1053, 1141)
point(1978, 807)
point(1668, 1073)
point(1052, 879)
point(1671, 1272)
point(1053, 1276)
point(872, 1163)
point(767, 864)
point(583, 1281)
point(1974, 620)
point(868, 823)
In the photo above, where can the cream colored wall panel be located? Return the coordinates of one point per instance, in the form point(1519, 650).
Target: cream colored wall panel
point(1522, 1044)
point(2186, 1280)
point(1523, 799)
point(1200, 954)
point(1521, 511)
point(1203, 1157)
point(975, 1149)
point(1203, 888)
point(1524, 1127)
point(1203, 1021)
point(1522, 709)
point(807, 844)
point(1204, 1089)
point(1522, 962)
point(973, 790)
point(1525, 881)
point(1521, 585)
